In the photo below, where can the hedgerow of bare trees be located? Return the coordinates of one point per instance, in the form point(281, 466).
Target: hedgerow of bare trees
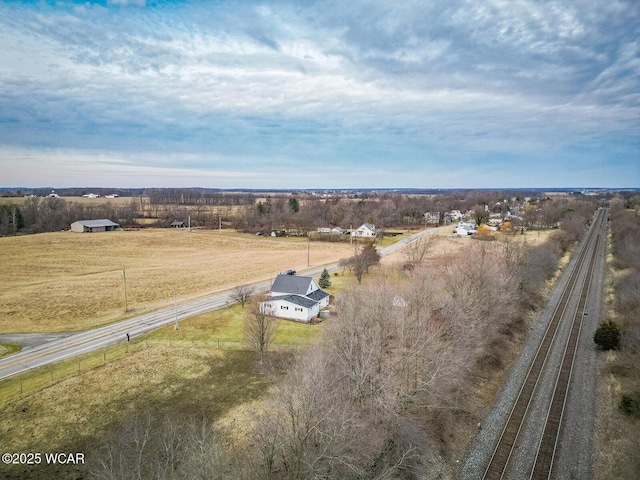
point(150, 446)
point(617, 444)
point(392, 373)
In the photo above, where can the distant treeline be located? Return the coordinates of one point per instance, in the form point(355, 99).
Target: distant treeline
point(51, 214)
point(74, 191)
point(299, 213)
point(180, 196)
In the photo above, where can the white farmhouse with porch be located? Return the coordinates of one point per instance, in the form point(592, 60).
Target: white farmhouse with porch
point(366, 230)
point(295, 297)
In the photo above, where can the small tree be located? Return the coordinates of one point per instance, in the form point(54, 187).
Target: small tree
point(345, 263)
point(325, 279)
point(607, 336)
point(362, 261)
point(370, 256)
point(259, 328)
point(242, 294)
point(630, 403)
point(294, 205)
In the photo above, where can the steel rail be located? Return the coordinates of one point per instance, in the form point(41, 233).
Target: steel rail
point(547, 447)
point(504, 448)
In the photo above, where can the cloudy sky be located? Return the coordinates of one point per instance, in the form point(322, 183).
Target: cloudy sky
point(320, 94)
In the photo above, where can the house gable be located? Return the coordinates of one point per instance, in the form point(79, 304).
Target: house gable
point(293, 284)
point(365, 230)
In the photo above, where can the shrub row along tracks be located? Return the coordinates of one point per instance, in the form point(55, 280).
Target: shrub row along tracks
point(528, 444)
point(91, 340)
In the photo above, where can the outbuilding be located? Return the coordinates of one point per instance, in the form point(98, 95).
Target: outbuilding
point(366, 230)
point(92, 226)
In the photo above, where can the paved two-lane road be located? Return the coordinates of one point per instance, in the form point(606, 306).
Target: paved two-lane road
point(67, 346)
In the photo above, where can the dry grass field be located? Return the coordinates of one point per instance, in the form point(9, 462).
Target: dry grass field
point(166, 371)
point(66, 281)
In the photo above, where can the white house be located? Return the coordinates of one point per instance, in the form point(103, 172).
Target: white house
point(295, 297)
point(467, 225)
point(455, 215)
point(462, 232)
point(366, 230)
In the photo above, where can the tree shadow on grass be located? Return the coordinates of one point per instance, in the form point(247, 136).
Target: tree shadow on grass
point(231, 379)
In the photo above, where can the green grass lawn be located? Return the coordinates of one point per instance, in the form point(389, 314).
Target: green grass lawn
point(226, 327)
point(8, 348)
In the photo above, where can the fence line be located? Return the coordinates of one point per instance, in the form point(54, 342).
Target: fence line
point(41, 378)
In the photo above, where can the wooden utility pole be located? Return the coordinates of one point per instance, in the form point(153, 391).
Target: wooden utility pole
point(124, 279)
point(175, 306)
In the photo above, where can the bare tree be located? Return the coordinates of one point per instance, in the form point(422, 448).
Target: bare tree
point(202, 452)
point(125, 453)
point(416, 251)
point(259, 327)
point(149, 446)
point(345, 263)
point(242, 294)
point(367, 257)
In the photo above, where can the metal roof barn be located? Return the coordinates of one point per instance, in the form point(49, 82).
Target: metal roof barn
point(91, 226)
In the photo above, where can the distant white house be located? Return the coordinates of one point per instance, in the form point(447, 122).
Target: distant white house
point(366, 230)
point(467, 225)
point(92, 226)
point(455, 215)
point(332, 231)
point(295, 297)
point(462, 232)
point(90, 195)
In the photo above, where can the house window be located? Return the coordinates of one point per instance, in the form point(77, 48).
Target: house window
point(298, 309)
point(284, 307)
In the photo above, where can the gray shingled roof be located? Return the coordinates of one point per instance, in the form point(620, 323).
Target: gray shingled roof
point(318, 295)
point(297, 299)
point(291, 284)
point(98, 223)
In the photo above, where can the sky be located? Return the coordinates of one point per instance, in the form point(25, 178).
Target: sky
point(320, 94)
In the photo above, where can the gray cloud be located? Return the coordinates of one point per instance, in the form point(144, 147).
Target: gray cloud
point(329, 81)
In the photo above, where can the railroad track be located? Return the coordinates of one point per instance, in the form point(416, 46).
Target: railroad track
point(566, 310)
